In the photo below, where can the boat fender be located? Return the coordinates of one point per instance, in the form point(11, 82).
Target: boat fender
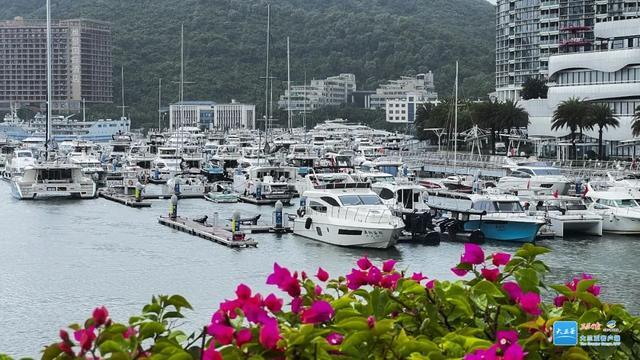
point(130, 182)
point(307, 223)
point(301, 212)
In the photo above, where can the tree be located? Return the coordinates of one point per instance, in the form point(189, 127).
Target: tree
point(635, 125)
point(534, 88)
point(571, 114)
point(424, 115)
point(485, 115)
point(602, 117)
point(513, 115)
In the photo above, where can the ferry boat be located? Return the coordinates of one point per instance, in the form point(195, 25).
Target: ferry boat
point(347, 214)
point(65, 128)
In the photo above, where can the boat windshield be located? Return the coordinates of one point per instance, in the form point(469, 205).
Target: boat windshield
point(352, 200)
point(508, 206)
point(626, 203)
point(547, 171)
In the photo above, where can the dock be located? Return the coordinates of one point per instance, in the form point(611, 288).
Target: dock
point(168, 196)
point(263, 229)
point(127, 200)
point(209, 232)
point(254, 201)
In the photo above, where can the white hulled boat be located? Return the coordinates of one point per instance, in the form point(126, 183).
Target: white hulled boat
point(53, 180)
point(347, 214)
point(566, 215)
point(618, 207)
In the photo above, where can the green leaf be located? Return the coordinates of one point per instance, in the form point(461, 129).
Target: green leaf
point(527, 279)
point(341, 303)
point(563, 289)
point(583, 285)
point(590, 316)
point(589, 299)
point(51, 352)
point(355, 323)
point(150, 329)
point(179, 302)
point(111, 346)
point(488, 288)
point(172, 315)
point(530, 251)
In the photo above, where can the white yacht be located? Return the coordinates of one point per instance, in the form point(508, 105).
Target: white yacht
point(536, 179)
point(227, 157)
point(271, 183)
point(402, 196)
point(618, 207)
point(119, 146)
point(186, 184)
point(566, 215)
point(17, 162)
point(347, 214)
point(166, 164)
point(53, 180)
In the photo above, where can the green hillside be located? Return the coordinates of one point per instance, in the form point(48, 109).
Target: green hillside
point(225, 43)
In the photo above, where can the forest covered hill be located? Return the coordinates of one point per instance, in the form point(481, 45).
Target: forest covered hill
point(225, 43)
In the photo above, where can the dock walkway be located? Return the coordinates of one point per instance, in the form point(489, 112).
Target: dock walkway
point(127, 200)
point(212, 233)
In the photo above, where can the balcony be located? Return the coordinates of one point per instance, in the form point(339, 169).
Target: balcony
point(606, 61)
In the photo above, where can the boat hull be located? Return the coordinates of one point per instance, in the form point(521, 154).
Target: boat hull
point(563, 227)
point(368, 236)
point(621, 225)
point(502, 230)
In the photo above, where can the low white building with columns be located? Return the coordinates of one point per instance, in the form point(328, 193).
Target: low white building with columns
point(209, 115)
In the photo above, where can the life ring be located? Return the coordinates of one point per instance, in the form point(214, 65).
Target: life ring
point(307, 223)
point(130, 182)
point(301, 212)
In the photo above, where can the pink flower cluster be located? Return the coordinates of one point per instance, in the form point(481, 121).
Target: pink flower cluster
point(529, 302)
point(505, 348)
point(573, 285)
point(256, 310)
point(85, 337)
point(474, 255)
point(369, 274)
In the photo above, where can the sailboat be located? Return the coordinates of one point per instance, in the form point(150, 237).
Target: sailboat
point(52, 178)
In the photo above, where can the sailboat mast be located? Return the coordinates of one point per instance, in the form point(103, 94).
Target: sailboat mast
point(84, 110)
point(455, 130)
point(49, 78)
point(266, 76)
point(159, 104)
point(122, 88)
point(288, 85)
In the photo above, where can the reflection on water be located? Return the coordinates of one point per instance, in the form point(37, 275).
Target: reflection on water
point(61, 259)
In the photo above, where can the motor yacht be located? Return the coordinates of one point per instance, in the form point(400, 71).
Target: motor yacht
point(538, 179)
point(53, 179)
point(347, 214)
point(17, 162)
point(566, 215)
point(618, 207)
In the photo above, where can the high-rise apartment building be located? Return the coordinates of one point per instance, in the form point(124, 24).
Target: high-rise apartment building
point(420, 86)
point(82, 63)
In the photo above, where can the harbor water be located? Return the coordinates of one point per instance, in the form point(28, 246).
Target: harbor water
point(61, 259)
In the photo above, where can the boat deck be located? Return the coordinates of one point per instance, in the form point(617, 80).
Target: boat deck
point(212, 233)
point(254, 201)
point(127, 200)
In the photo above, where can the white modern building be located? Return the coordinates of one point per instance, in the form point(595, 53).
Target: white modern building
point(610, 75)
point(403, 110)
point(334, 90)
point(209, 115)
point(420, 85)
point(234, 116)
point(191, 114)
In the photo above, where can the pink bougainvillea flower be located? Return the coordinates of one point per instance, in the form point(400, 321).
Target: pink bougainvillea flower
point(356, 279)
point(129, 332)
point(317, 290)
point(229, 307)
point(390, 281)
point(374, 276)
point(417, 276)
point(483, 354)
point(296, 305)
point(222, 333)
point(243, 292)
point(473, 254)
point(490, 274)
point(282, 278)
point(64, 335)
point(85, 337)
point(504, 338)
point(211, 353)
point(322, 275)
point(388, 265)
point(335, 338)
point(459, 272)
point(100, 316)
point(254, 313)
point(514, 352)
point(371, 321)
point(500, 259)
point(560, 300)
point(431, 284)
point(243, 336)
point(530, 303)
point(364, 263)
point(303, 275)
point(273, 303)
point(513, 290)
point(269, 334)
point(65, 347)
point(319, 312)
point(219, 317)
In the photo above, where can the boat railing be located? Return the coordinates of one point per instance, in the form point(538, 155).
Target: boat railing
point(357, 214)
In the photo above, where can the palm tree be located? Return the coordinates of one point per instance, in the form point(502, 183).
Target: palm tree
point(603, 118)
point(571, 114)
point(486, 114)
point(635, 125)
